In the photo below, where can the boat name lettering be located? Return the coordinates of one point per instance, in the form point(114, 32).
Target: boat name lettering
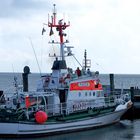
point(84, 84)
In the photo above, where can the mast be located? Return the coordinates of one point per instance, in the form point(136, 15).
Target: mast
point(85, 56)
point(60, 27)
point(86, 62)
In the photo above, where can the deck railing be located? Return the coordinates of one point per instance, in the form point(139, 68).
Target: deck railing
point(77, 106)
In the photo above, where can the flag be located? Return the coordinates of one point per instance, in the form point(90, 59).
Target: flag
point(51, 32)
point(43, 30)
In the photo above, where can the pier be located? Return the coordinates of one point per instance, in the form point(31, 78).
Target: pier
point(134, 112)
point(134, 94)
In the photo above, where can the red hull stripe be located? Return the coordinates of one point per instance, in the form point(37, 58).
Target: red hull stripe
point(85, 85)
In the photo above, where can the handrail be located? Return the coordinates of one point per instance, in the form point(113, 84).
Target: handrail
point(71, 106)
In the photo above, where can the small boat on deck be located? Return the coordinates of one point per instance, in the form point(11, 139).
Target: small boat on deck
point(63, 102)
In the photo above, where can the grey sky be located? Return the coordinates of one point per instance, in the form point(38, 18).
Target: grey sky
point(109, 30)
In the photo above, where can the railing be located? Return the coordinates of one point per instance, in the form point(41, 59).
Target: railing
point(73, 106)
point(76, 106)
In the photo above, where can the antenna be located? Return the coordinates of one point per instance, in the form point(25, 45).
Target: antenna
point(60, 27)
point(54, 14)
point(85, 56)
point(15, 81)
point(35, 55)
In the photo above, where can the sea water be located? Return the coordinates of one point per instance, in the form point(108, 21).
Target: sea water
point(124, 130)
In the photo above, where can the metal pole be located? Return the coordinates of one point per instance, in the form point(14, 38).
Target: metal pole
point(111, 83)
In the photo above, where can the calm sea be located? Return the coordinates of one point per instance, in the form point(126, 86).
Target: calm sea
point(125, 130)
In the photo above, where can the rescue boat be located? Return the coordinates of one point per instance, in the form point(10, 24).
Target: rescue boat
point(64, 101)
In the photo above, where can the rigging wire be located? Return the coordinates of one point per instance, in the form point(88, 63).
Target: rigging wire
point(42, 46)
point(35, 55)
point(36, 61)
point(77, 61)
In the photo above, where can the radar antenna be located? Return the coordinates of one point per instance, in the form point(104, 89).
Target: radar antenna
point(60, 27)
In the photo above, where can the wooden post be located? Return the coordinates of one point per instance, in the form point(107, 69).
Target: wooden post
point(132, 93)
point(111, 83)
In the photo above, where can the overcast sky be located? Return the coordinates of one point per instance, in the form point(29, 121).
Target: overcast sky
point(108, 29)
